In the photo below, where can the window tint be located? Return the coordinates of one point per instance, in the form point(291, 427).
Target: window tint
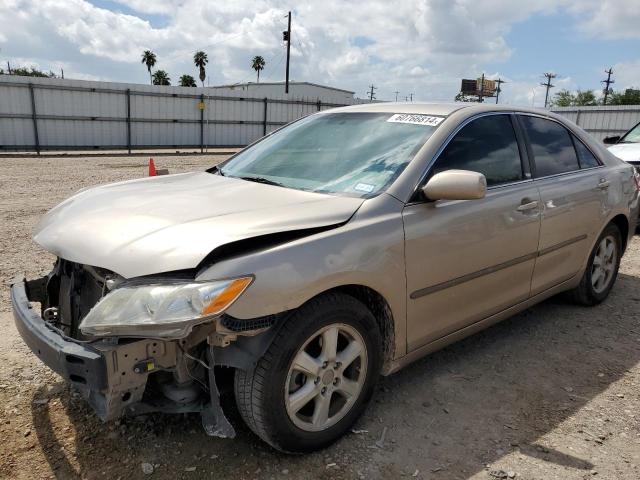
point(587, 160)
point(551, 145)
point(487, 145)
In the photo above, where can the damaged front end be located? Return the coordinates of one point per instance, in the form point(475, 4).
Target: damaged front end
point(167, 366)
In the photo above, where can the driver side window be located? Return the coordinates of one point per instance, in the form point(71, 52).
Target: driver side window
point(487, 145)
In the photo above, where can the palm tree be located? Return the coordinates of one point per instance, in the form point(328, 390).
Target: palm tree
point(258, 64)
point(187, 81)
point(149, 59)
point(200, 59)
point(160, 77)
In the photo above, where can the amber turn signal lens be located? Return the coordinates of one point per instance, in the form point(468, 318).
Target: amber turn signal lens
point(227, 296)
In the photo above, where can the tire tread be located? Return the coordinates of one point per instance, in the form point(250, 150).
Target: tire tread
point(250, 385)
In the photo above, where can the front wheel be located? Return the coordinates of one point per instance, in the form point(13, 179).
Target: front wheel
point(602, 269)
point(316, 378)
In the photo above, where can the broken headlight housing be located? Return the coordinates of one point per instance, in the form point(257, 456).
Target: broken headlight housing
point(163, 309)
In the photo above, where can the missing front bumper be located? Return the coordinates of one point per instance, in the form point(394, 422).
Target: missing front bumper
point(111, 376)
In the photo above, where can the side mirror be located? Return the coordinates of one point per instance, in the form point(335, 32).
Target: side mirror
point(611, 140)
point(456, 185)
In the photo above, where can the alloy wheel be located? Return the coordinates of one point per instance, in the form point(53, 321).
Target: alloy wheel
point(604, 264)
point(326, 377)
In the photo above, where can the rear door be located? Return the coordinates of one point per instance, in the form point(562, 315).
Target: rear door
point(573, 188)
point(466, 260)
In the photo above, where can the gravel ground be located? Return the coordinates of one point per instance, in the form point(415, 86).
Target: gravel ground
point(550, 393)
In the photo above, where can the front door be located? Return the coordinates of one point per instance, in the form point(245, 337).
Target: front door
point(466, 260)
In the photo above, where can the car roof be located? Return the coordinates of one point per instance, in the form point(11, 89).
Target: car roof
point(444, 109)
point(403, 107)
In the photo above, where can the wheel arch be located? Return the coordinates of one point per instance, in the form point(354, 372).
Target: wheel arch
point(622, 223)
point(380, 309)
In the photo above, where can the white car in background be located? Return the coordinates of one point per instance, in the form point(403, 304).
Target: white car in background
point(627, 146)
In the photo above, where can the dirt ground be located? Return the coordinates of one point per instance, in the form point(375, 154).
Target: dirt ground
point(552, 393)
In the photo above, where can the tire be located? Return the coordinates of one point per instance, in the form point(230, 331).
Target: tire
point(266, 395)
point(589, 292)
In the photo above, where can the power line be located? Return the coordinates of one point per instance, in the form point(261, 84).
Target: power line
point(549, 76)
point(371, 93)
point(499, 81)
point(481, 90)
point(274, 66)
point(607, 90)
point(287, 37)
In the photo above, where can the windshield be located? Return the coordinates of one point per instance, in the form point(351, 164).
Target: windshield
point(357, 154)
point(632, 136)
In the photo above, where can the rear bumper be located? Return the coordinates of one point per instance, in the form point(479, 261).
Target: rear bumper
point(77, 363)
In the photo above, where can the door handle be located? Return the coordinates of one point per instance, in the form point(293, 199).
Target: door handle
point(604, 183)
point(525, 207)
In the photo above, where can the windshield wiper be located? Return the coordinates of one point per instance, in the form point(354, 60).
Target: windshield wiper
point(266, 181)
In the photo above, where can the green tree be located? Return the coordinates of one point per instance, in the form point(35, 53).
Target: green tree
point(585, 98)
point(32, 72)
point(258, 64)
point(200, 59)
point(564, 98)
point(160, 77)
point(187, 81)
point(631, 96)
point(149, 59)
point(581, 98)
point(461, 97)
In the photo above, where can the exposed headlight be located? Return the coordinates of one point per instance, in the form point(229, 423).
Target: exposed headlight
point(161, 309)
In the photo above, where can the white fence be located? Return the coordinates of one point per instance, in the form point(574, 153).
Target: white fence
point(56, 114)
point(602, 121)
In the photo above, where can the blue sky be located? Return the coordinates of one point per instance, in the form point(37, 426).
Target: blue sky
point(422, 47)
point(552, 42)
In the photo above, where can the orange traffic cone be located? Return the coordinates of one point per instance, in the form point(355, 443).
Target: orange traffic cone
point(152, 168)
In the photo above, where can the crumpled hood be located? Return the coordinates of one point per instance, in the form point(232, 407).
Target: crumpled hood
point(629, 152)
point(166, 223)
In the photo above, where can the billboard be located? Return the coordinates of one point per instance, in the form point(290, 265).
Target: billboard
point(472, 87)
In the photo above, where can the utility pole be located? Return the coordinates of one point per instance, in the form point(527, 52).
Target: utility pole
point(286, 36)
point(372, 96)
point(549, 76)
point(62, 71)
point(9, 67)
point(396, 92)
point(607, 83)
point(499, 82)
point(481, 90)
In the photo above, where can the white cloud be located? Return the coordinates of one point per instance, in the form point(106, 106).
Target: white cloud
point(611, 19)
point(412, 46)
point(627, 75)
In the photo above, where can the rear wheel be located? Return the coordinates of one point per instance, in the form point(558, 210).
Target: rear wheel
point(602, 269)
point(316, 378)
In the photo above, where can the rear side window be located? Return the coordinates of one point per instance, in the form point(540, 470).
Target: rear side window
point(551, 146)
point(487, 145)
point(587, 159)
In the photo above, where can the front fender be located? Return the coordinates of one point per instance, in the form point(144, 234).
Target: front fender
point(367, 251)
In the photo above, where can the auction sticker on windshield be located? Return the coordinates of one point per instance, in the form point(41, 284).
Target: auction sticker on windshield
point(416, 119)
